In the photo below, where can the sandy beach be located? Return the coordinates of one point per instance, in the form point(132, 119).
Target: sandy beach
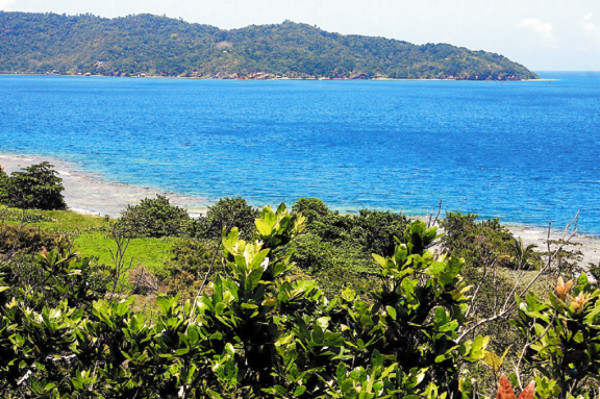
point(588, 245)
point(92, 194)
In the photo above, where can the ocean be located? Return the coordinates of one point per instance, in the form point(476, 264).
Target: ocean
point(527, 152)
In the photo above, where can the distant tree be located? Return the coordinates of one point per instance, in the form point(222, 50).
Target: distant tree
point(37, 186)
point(226, 213)
point(311, 208)
point(154, 217)
point(3, 185)
point(522, 254)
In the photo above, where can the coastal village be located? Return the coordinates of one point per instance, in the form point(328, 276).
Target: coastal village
point(288, 76)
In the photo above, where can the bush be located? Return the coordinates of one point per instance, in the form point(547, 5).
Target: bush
point(154, 217)
point(375, 230)
point(372, 231)
point(477, 242)
point(229, 213)
point(3, 185)
point(192, 256)
point(311, 208)
point(37, 186)
point(191, 261)
point(20, 239)
point(312, 254)
point(255, 332)
point(562, 339)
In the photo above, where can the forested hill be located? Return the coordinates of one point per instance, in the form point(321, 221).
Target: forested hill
point(153, 45)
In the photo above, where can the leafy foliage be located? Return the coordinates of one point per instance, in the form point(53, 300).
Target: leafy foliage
point(336, 249)
point(38, 43)
point(480, 242)
point(19, 239)
point(226, 213)
point(261, 328)
point(312, 209)
point(3, 185)
point(37, 186)
point(258, 333)
point(153, 217)
point(562, 338)
point(505, 390)
point(191, 261)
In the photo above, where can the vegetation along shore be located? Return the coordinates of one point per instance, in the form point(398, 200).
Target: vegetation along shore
point(92, 194)
point(299, 302)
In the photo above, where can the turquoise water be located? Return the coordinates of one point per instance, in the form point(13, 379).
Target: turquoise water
point(528, 152)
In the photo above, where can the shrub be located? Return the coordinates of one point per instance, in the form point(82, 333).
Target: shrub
point(153, 217)
point(311, 208)
point(21, 239)
point(3, 185)
point(190, 262)
point(372, 231)
point(37, 186)
point(259, 333)
point(375, 230)
point(312, 254)
point(226, 213)
point(477, 242)
point(562, 341)
point(192, 258)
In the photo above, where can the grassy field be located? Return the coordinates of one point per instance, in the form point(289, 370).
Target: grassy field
point(91, 236)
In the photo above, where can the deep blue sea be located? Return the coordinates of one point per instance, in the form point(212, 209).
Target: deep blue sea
point(528, 152)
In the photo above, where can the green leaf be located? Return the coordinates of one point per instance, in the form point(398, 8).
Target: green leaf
point(300, 389)
point(380, 260)
point(264, 227)
point(451, 326)
point(348, 294)
point(340, 372)
point(391, 312)
point(582, 279)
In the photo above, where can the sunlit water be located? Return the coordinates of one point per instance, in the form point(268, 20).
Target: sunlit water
point(528, 152)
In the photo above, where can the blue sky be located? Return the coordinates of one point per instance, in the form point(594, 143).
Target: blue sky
point(541, 34)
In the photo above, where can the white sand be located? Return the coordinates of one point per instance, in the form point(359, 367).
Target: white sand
point(588, 245)
point(92, 194)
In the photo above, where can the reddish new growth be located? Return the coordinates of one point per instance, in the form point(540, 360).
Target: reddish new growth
point(505, 390)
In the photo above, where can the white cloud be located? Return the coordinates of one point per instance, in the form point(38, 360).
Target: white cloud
point(542, 29)
point(6, 3)
point(590, 29)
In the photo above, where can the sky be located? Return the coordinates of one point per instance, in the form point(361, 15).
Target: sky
point(540, 34)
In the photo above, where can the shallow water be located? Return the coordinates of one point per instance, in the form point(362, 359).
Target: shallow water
point(525, 151)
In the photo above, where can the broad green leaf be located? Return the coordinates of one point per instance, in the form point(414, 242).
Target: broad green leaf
point(391, 312)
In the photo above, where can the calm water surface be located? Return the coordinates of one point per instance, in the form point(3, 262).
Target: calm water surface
point(525, 151)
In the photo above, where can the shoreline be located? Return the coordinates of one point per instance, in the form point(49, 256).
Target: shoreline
point(92, 194)
point(588, 245)
point(279, 78)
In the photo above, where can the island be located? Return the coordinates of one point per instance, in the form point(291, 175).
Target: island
point(148, 45)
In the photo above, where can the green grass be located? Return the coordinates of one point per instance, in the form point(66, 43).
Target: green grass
point(64, 222)
point(68, 221)
point(90, 236)
point(152, 253)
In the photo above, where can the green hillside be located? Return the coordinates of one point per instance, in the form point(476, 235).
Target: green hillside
point(153, 45)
